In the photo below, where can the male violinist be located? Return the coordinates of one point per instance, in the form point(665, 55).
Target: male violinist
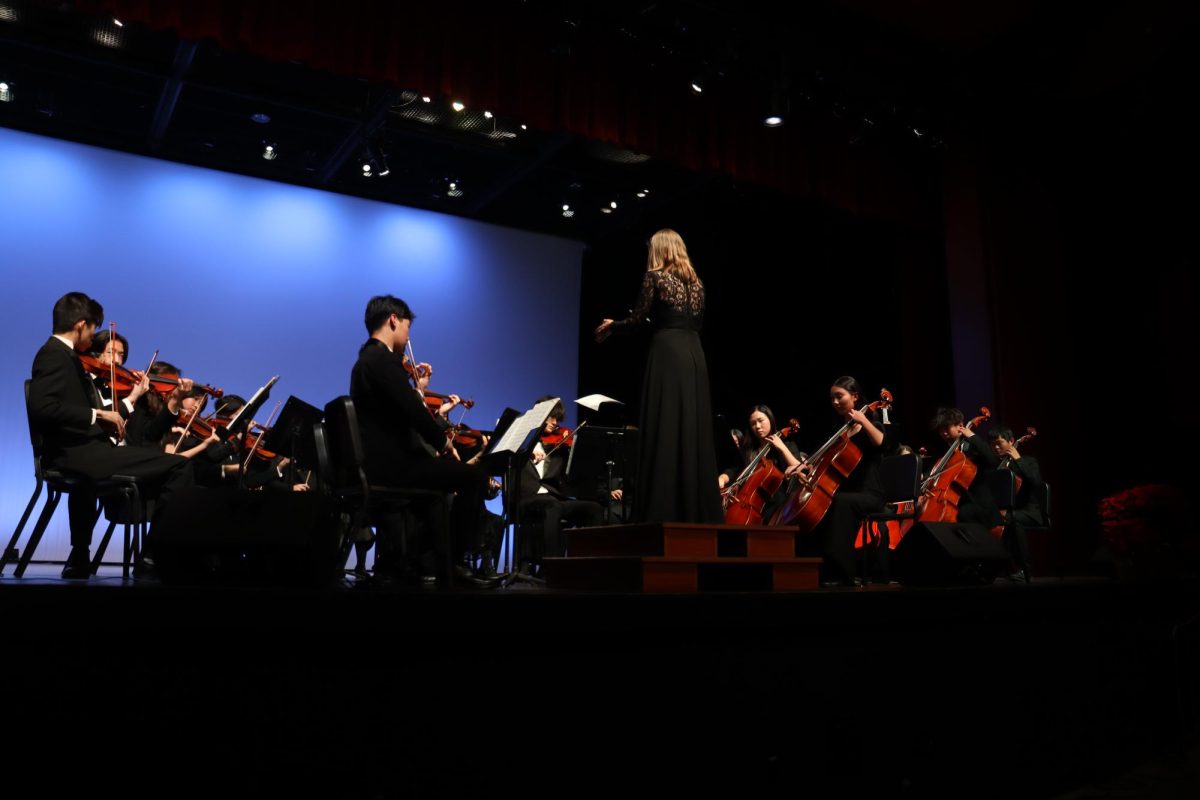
point(545, 503)
point(66, 410)
point(399, 433)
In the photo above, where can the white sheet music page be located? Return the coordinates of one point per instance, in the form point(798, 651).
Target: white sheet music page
point(594, 401)
point(523, 425)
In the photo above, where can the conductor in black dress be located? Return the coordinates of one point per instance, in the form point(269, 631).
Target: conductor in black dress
point(66, 410)
point(677, 462)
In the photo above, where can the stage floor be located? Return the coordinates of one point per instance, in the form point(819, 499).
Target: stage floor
point(995, 691)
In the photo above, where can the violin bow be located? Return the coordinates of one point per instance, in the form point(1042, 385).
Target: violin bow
point(258, 441)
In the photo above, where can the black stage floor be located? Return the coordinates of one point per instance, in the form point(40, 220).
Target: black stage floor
point(998, 691)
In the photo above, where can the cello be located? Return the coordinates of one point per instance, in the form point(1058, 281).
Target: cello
point(949, 479)
point(809, 501)
point(744, 498)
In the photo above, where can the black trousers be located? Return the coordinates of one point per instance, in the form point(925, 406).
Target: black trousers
point(836, 533)
point(544, 515)
point(1016, 540)
point(468, 482)
point(159, 472)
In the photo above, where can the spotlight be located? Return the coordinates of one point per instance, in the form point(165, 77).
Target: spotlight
point(487, 115)
point(366, 170)
point(566, 207)
point(773, 121)
point(606, 210)
point(454, 190)
point(260, 118)
point(457, 106)
point(697, 88)
point(426, 99)
point(613, 204)
point(118, 23)
point(568, 213)
point(918, 133)
point(642, 193)
point(270, 153)
point(8, 14)
point(524, 127)
point(6, 94)
point(384, 171)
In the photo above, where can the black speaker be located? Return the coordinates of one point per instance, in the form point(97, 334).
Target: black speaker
point(229, 536)
point(949, 553)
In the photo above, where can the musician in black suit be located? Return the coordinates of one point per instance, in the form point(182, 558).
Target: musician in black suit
point(403, 444)
point(545, 501)
point(977, 504)
point(1027, 511)
point(66, 409)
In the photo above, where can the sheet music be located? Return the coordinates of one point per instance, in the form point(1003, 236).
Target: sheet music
point(594, 401)
point(523, 425)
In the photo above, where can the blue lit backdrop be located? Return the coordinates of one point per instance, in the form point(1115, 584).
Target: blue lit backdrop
point(235, 279)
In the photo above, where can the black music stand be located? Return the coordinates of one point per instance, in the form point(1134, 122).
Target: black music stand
point(597, 455)
point(506, 454)
point(292, 433)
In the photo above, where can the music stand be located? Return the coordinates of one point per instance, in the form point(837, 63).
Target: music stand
point(506, 455)
point(596, 454)
point(292, 433)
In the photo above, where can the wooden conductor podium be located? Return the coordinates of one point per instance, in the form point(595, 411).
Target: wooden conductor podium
point(682, 557)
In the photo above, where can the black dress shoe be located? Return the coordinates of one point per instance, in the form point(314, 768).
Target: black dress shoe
point(77, 570)
point(1020, 576)
point(463, 574)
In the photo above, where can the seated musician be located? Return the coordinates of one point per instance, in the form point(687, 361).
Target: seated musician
point(66, 409)
point(1027, 511)
point(977, 504)
point(784, 453)
point(398, 433)
point(545, 501)
point(859, 493)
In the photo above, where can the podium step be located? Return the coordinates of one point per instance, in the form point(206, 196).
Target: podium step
point(683, 540)
point(662, 574)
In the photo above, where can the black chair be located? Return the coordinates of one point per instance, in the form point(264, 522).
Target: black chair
point(121, 493)
point(1003, 484)
point(342, 464)
point(901, 480)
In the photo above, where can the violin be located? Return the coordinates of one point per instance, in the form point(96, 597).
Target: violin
point(124, 379)
point(467, 437)
point(562, 436)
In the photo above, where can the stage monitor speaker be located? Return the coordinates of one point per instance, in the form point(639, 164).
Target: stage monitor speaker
point(231, 536)
point(949, 553)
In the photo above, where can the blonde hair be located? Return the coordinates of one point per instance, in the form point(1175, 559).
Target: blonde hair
point(668, 253)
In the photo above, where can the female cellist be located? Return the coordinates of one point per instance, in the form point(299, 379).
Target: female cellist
point(780, 454)
point(859, 492)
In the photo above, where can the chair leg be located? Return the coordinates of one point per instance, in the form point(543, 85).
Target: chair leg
point(10, 552)
point(108, 532)
point(35, 536)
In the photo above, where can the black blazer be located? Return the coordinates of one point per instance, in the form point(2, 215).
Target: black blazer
point(392, 418)
point(556, 467)
point(60, 400)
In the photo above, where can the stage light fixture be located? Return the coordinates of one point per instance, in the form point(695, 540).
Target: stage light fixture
point(487, 115)
point(773, 121)
point(8, 14)
point(697, 88)
point(366, 168)
point(118, 23)
point(270, 153)
point(455, 190)
point(260, 118)
point(524, 127)
point(606, 210)
point(6, 92)
point(613, 205)
point(457, 106)
point(426, 99)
